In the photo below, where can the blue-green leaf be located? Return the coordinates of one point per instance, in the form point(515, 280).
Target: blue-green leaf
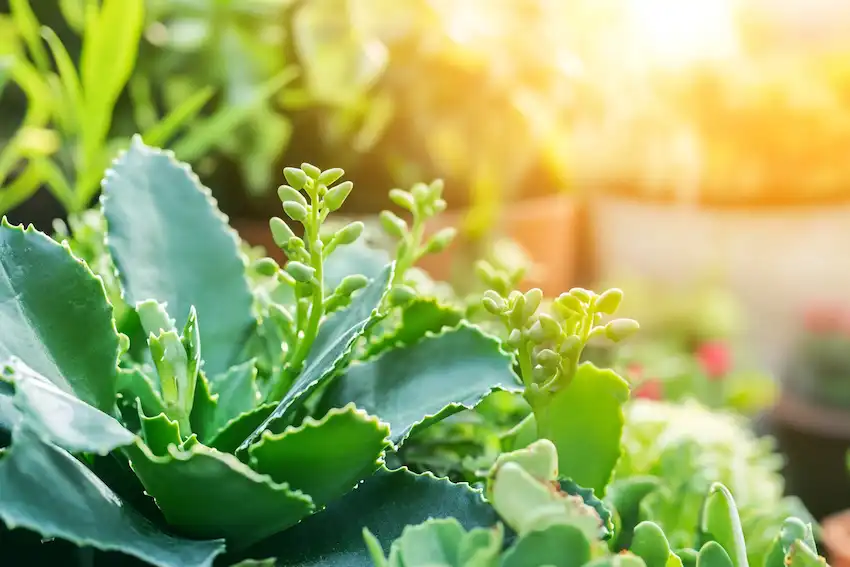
point(419, 384)
point(330, 351)
point(385, 504)
point(237, 393)
point(54, 316)
point(170, 243)
point(48, 491)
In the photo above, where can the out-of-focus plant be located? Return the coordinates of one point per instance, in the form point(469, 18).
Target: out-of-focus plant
point(71, 128)
point(819, 364)
point(687, 447)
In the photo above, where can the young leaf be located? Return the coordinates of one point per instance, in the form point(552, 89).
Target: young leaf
point(329, 352)
point(48, 491)
point(169, 242)
point(428, 381)
point(237, 393)
point(384, 504)
point(560, 545)
point(231, 435)
point(323, 458)
point(207, 494)
point(47, 299)
point(159, 433)
point(721, 523)
point(586, 418)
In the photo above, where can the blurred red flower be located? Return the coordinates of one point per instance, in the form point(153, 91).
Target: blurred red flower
point(715, 359)
point(650, 390)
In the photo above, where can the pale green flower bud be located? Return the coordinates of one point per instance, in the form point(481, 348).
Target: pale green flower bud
point(300, 272)
point(350, 284)
point(403, 199)
point(266, 267)
point(286, 193)
point(401, 294)
point(533, 297)
point(330, 176)
point(336, 196)
point(393, 225)
point(441, 240)
point(620, 329)
point(609, 301)
point(311, 170)
point(548, 358)
point(349, 233)
point(295, 211)
point(281, 233)
point(296, 177)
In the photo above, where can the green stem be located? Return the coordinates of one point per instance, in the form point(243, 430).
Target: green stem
point(296, 362)
point(412, 253)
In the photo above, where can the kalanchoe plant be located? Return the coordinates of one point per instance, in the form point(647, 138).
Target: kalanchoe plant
point(551, 525)
point(170, 437)
point(568, 399)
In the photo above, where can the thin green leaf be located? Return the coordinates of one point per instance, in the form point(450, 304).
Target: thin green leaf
point(207, 134)
point(384, 504)
point(427, 381)
point(28, 26)
point(162, 132)
point(169, 242)
point(329, 352)
point(324, 458)
point(47, 297)
point(72, 89)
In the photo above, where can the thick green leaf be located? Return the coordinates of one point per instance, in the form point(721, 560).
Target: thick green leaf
point(159, 433)
point(385, 504)
point(560, 545)
point(170, 243)
point(48, 491)
point(204, 408)
point(204, 493)
point(323, 458)
point(330, 351)
point(712, 554)
point(235, 431)
point(422, 383)
point(54, 316)
point(721, 523)
point(586, 418)
point(420, 317)
point(650, 544)
point(59, 418)
point(134, 383)
point(237, 392)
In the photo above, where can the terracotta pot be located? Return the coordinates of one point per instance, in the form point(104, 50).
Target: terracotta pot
point(815, 441)
point(836, 538)
point(765, 256)
point(544, 227)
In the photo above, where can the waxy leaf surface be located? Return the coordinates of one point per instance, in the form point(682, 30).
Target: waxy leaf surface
point(584, 419)
point(324, 458)
point(204, 493)
point(170, 243)
point(48, 491)
point(426, 381)
point(419, 318)
point(54, 316)
point(385, 504)
point(330, 351)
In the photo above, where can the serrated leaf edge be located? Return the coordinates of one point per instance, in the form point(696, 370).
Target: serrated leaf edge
point(211, 440)
point(385, 341)
point(30, 229)
point(175, 454)
point(138, 144)
point(454, 405)
point(374, 317)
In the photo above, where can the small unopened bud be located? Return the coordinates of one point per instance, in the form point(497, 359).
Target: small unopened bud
point(441, 240)
point(123, 343)
point(440, 205)
point(485, 272)
point(517, 314)
point(266, 267)
point(393, 225)
point(620, 329)
point(609, 301)
point(551, 328)
point(533, 297)
point(421, 193)
point(295, 211)
point(281, 233)
point(296, 177)
point(542, 373)
point(570, 347)
point(571, 303)
point(496, 298)
point(435, 189)
point(286, 193)
point(548, 358)
point(349, 233)
point(336, 196)
point(515, 338)
point(350, 284)
point(536, 332)
point(330, 176)
point(300, 272)
point(582, 294)
point(403, 199)
point(491, 306)
point(401, 294)
point(311, 170)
